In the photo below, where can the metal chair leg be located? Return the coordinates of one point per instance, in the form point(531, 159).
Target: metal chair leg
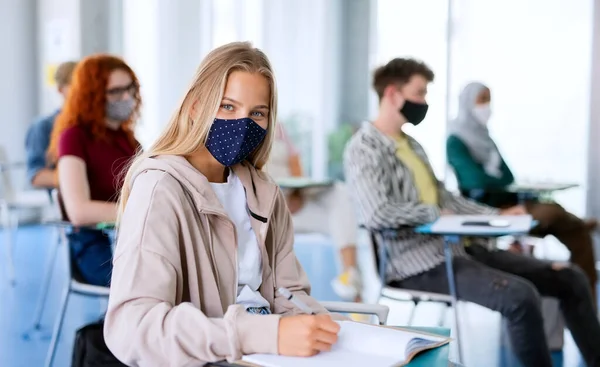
point(57, 329)
point(7, 223)
point(50, 262)
point(411, 316)
point(443, 315)
point(453, 293)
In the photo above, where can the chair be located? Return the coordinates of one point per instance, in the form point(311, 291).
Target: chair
point(11, 202)
point(401, 294)
point(381, 311)
point(75, 285)
point(50, 262)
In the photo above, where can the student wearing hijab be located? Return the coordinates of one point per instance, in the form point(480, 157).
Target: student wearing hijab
point(480, 168)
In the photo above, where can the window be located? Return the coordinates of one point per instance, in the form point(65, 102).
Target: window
point(538, 74)
point(417, 29)
point(237, 20)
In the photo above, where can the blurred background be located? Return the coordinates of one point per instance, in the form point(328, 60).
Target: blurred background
point(541, 59)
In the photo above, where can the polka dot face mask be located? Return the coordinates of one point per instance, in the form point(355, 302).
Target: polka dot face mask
point(231, 141)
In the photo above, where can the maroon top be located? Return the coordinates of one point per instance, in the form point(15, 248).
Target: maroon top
point(104, 159)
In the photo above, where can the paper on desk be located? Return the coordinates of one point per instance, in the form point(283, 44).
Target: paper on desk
point(301, 182)
point(453, 224)
point(540, 187)
point(358, 345)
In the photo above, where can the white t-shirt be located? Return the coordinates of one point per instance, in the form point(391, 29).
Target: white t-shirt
point(232, 196)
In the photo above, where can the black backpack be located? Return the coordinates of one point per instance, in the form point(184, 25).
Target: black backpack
point(90, 350)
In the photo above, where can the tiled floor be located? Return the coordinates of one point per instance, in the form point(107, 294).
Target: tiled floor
point(19, 347)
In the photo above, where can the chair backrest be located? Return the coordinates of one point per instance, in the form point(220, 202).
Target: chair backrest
point(7, 191)
point(378, 246)
point(64, 227)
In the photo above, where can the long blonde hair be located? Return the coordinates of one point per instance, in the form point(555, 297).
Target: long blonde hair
point(186, 132)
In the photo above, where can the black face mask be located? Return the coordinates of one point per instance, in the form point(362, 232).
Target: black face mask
point(414, 112)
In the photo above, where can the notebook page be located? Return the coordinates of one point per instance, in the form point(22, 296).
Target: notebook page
point(358, 345)
point(324, 359)
point(376, 340)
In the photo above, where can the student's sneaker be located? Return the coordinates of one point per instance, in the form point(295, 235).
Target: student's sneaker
point(348, 285)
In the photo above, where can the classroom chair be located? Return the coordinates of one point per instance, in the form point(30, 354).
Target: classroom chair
point(50, 262)
point(379, 238)
point(400, 294)
point(75, 282)
point(76, 285)
point(11, 204)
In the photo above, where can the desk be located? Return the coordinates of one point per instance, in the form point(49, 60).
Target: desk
point(534, 191)
point(431, 358)
point(540, 188)
point(296, 183)
point(453, 237)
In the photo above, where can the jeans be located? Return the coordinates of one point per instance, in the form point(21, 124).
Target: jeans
point(511, 284)
point(91, 256)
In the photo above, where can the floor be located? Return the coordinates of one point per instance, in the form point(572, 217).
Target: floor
point(21, 346)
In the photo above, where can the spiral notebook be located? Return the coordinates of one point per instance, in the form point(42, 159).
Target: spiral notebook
point(360, 345)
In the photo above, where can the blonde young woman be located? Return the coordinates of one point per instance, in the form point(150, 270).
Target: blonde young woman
point(205, 237)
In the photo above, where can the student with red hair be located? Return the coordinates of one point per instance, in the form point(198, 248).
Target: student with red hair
point(92, 142)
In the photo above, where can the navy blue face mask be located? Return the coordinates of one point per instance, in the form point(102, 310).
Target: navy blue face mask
point(232, 141)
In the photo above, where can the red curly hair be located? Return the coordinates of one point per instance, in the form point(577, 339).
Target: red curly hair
point(86, 101)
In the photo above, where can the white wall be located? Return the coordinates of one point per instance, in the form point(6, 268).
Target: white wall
point(302, 39)
point(163, 44)
point(58, 40)
point(70, 30)
point(18, 88)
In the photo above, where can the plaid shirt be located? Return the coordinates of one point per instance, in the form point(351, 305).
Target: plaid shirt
point(386, 197)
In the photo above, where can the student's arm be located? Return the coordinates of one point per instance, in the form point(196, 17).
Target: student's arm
point(295, 166)
point(367, 182)
point(288, 271)
point(469, 173)
point(294, 162)
point(36, 145)
point(75, 187)
point(144, 326)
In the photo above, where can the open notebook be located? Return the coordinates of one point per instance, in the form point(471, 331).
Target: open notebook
point(360, 345)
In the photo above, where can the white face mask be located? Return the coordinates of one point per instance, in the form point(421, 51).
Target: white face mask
point(482, 113)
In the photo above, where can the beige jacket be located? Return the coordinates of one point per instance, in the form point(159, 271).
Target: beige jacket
point(174, 282)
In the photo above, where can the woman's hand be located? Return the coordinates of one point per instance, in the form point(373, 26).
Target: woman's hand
point(306, 335)
point(295, 201)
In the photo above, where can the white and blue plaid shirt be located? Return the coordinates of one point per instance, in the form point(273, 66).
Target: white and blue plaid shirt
point(386, 197)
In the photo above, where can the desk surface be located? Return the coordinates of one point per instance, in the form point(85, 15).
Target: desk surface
point(432, 358)
point(497, 232)
point(302, 183)
point(542, 187)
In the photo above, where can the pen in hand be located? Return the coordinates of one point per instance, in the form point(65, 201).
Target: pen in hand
point(298, 303)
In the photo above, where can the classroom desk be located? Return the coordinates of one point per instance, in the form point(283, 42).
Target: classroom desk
point(453, 238)
point(298, 183)
point(437, 357)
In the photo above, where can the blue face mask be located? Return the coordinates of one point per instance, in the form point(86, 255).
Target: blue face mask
point(232, 141)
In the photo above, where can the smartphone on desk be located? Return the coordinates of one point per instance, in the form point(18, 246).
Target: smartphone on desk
point(495, 223)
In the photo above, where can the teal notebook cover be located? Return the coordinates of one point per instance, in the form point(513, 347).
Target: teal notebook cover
point(433, 357)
